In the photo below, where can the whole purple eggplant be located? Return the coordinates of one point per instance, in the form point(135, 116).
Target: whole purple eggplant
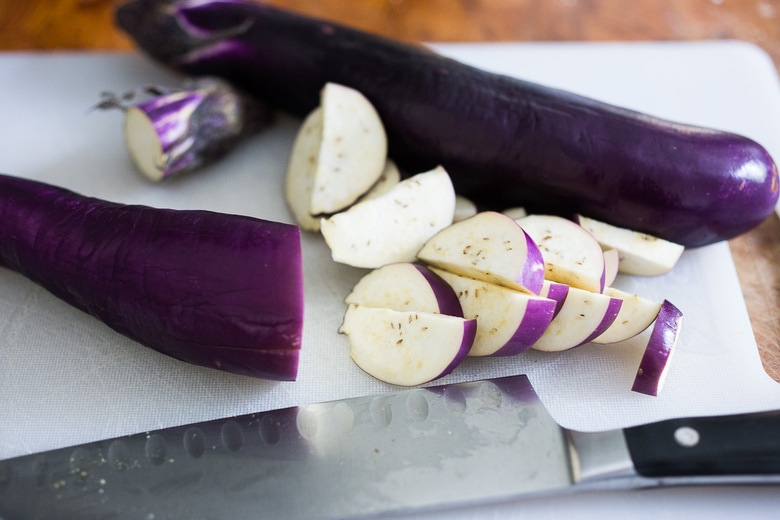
point(217, 290)
point(505, 142)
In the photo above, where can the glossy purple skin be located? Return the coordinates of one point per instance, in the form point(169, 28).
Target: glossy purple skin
point(537, 318)
point(469, 333)
point(609, 318)
point(505, 142)
point(532, 275)
point(169, 114)
point(448, 301)
point(557, 292)
point(217, 290)
point(660, 347)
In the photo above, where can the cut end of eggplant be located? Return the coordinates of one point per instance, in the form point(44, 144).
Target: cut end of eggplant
point(405, 287)
point(339, 157)
point(571, 254)
point(406, 348)
point(178, 130)
point(638, 253)
point(582, 316)
point(635, 316)
point(488, 246)
point(393, 227)
point(353, 151)
point(464, 208)
point(508, 321)
point(144, 145)
point(212, 289)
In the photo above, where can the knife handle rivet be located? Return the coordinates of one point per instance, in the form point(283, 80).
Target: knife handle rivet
point(686, 436)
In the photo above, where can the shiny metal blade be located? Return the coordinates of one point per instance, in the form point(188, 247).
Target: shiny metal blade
point(418, 448)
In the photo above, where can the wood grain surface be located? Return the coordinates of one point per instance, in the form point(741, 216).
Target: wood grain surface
point(41, 25)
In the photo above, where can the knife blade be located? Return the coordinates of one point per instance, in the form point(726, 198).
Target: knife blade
point(414, 449)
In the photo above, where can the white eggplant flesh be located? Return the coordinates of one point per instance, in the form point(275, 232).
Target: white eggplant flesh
point(301, 168)
point(583, 316)
point(464, 208)
point(555, 291)
point(171, 131)
point(339, 153)
point(391, 176)
point(144, 144)
point(406, 348)
point(635, 315)
point(508, 321)
point(353, 151)
point(393, 227)
point(640, 253)
point(654, 366)
point(489, 246)
point(611, 267)
point(405, 287)
point(571, 254)
point(515, 212)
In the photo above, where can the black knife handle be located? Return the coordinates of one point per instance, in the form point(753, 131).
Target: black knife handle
point(745, 444)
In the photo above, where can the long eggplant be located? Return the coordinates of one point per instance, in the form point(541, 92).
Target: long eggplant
point(504, 141)
point(212, 289)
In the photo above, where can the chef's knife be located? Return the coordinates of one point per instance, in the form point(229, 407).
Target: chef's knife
point(392, 453)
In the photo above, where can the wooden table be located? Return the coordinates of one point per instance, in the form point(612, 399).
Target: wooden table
point(88, 25)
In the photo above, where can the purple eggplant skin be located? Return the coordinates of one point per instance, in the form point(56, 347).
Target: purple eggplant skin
point(213, 289)
point(660, 347)
point(195, 124)
point(505, 142)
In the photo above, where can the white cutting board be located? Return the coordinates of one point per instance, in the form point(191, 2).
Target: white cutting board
point(67, 379)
